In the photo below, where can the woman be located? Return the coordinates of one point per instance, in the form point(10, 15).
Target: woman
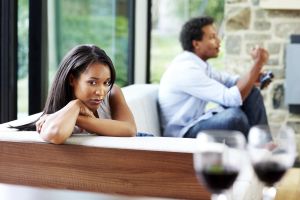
point(83, 98)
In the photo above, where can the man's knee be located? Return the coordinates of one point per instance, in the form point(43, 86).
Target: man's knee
point(237, 120)
point(255, 95)
point(254, 108)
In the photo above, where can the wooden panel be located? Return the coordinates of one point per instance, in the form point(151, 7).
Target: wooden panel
point(116, 171)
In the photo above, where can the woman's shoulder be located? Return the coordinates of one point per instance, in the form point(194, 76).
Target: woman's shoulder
point(115, 91)
point(116, 96)
point(115, 88)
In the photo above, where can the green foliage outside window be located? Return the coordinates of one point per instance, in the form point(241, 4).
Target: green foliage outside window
point(93, 22)
point(23, 24)
point(81, 22)
point(165, 45)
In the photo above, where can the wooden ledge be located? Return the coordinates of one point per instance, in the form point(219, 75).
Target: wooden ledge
point(92, 166)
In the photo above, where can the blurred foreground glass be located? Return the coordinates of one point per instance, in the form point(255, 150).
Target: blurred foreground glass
point(272, 151)
point(219, 159)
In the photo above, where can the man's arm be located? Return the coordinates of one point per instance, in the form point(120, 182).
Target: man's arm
point(246, 82)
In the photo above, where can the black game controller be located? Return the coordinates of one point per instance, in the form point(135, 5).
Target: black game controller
point(265, 79)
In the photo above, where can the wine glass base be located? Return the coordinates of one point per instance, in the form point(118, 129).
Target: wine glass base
point(218, 197)
point(269, 193)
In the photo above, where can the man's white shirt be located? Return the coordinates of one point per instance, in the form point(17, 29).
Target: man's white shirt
point(186, 87)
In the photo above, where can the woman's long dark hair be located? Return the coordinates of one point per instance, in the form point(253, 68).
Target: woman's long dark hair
point(75, 62)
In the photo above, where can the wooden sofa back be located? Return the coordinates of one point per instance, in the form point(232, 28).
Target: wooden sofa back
point(138, 171)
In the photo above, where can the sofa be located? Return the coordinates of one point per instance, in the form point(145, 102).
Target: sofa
point(135, 166)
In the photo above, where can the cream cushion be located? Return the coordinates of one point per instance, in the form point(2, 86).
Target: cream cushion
point(142, 101)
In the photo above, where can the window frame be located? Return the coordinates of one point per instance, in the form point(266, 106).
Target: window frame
point(8, 60)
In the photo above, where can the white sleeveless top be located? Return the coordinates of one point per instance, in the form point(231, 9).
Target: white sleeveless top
point(104, 109)
point(103, 113)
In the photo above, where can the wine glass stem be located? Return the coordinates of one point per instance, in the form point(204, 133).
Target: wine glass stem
point(218, 197)
point(269, 193)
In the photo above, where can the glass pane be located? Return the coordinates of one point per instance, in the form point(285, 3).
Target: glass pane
point(23, 24)
point(168, 16)
point(100, 22)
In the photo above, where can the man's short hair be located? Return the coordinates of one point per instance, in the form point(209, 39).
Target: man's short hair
point(192, 30)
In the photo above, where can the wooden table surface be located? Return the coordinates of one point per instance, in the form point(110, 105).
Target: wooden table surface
point(289, 187)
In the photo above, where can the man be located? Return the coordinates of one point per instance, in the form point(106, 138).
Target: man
point(190, 83)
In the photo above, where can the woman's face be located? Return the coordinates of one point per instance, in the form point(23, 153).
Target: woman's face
point(92, 85)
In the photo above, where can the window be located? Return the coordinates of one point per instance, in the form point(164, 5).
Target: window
point(23, 24)
point(105, 23)
point(167, 18)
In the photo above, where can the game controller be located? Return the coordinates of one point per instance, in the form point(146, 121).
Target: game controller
point(265, 79)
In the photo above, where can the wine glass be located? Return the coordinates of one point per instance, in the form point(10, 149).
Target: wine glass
point(218, 160)
point(272, 151)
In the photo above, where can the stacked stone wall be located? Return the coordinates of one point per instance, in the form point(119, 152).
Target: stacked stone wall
point(247, 24)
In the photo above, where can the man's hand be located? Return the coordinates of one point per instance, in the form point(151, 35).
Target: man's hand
point(266, 79)
point(259, 55)
point(245, 84)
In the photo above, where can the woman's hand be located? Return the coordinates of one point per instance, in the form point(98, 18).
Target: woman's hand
point(39, 124)
point(85, 111)
point(58, 126)
point(121, 123)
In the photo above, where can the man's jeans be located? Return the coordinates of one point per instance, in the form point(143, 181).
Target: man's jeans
point(252, 112)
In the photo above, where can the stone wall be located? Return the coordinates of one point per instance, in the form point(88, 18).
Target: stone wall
point(247, 25)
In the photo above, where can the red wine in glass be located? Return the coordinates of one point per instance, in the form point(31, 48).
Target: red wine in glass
point(272, 150)
point(218, 160)
point(269, 172)
point(218, 179)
